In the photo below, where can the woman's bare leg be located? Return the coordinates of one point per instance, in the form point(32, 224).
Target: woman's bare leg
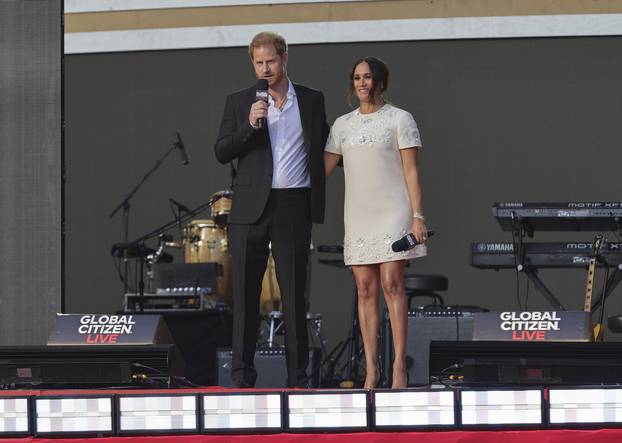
point(368, 290)
point(392, 278)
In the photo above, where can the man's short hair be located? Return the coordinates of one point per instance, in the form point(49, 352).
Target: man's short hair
point(268, 39)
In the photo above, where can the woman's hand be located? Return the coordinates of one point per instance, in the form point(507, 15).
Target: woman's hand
point(330, 162)
point(420, 230)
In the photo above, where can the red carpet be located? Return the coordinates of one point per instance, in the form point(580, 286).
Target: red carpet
point(560, 436)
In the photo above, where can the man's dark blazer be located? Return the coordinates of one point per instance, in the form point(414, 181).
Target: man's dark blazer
point(238, 140)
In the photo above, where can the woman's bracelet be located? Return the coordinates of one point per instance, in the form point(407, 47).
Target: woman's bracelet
point(419, 216)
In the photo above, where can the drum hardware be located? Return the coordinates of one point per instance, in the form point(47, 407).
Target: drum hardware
point(173, 244)
point(315, 323)
point(273, 326)
point(274, 321)
point(158, 256)
point(168, 241)
point(129, 250)
point(180, 207)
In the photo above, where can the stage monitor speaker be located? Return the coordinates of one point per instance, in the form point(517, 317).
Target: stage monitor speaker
point(198, 336)
point(423, 328)
point(89, 366)
point(531, 362)
point(271, 368)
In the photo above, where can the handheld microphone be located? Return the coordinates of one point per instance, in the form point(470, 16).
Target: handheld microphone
point(261, 94)
point(407, 242)
point(182, 149)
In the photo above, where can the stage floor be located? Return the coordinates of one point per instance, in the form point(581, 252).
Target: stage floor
point(199, 432)
point(556, 436)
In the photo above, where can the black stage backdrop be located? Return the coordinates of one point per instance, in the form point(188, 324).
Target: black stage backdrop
point(30, 169)
point(501, 120)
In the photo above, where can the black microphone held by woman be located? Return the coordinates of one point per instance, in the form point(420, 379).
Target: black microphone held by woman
point(407, 242)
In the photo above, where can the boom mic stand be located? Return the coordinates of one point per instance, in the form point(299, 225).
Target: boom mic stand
point(125, 205)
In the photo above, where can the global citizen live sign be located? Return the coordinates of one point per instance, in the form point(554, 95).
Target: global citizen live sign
point(104, 329)
point(532, 326)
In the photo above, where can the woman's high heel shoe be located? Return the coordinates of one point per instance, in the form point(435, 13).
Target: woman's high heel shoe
point(375, 382)
point(401, 381)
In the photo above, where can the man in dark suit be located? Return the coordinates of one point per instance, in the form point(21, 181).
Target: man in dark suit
point(278, 192)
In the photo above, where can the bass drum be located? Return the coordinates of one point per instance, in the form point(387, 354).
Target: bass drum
point(206, 242)
point(270, 299)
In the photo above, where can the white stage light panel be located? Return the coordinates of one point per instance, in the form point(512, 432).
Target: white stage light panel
point(68, 415)
point(327, 411)
point(170, 413)
point(414, 409)
point(14, 415)
point(585, 406)
point(502, 407)
point(235, 412)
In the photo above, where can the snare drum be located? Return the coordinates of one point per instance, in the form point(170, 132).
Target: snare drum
point(221, 206)
point(206, 242)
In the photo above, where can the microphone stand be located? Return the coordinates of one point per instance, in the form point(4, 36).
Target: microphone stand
point(125, 205)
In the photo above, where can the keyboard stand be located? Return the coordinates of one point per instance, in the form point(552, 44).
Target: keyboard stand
point(523, 228)
point(532, 274)
point(614, 280)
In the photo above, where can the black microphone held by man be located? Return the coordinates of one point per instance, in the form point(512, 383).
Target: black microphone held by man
point(261, 95)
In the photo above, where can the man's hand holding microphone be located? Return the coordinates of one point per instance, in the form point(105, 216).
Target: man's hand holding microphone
point(259, 110)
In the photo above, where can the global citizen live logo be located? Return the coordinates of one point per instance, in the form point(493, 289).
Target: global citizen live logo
point(105, 329)
point(529, 326)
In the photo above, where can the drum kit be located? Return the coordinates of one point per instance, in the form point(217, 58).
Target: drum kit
point(206, 241)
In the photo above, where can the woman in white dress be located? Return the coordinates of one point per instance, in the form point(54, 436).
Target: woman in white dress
point(378, 144)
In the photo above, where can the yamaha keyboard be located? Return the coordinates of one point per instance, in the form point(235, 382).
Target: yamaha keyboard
point(500, 255)
point(569, 216)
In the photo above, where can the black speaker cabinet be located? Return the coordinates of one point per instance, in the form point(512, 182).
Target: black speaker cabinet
point(423, 328)
point(82, 366)
point(271, 368)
